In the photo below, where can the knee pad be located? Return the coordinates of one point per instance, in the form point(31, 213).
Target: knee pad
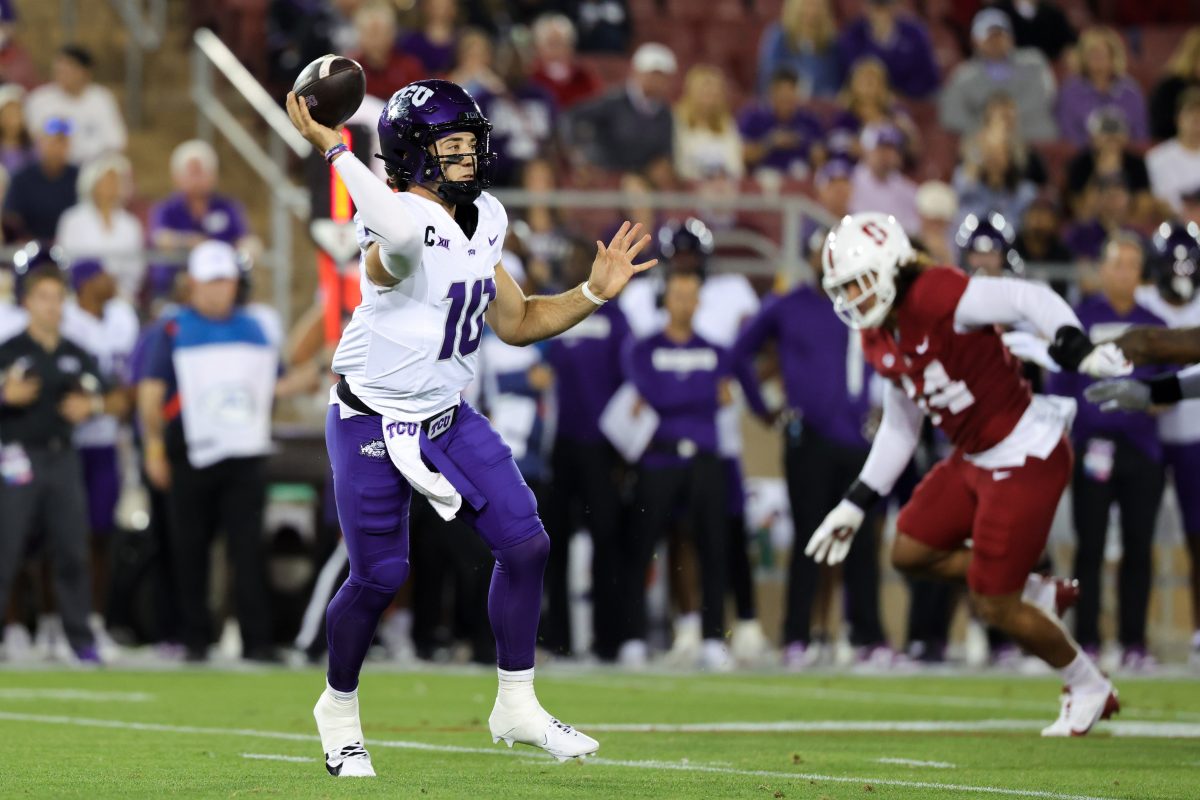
point(386, 576)
point(533, 553)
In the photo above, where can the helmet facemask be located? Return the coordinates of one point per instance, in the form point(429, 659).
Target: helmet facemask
point(862, 300)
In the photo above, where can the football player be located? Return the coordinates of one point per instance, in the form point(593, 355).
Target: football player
point(986, 247)
point(431, 277)
point(1174, 297)
point(933, 333)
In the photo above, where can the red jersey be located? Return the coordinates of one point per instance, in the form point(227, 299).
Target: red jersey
point(968, 383)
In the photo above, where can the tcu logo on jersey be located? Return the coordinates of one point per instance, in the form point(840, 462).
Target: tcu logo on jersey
point(937, 393)
point(417, 95)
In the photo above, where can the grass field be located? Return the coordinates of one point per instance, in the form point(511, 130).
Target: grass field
point(209, 733)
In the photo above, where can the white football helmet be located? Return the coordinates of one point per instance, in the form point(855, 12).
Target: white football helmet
point(864, 251)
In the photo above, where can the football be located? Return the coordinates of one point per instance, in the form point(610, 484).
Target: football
point(333, 87)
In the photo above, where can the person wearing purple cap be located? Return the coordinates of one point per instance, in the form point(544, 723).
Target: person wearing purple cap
point(780, 134)
point(900, 41)
point(107, 327)
point(1120, 461)
point(878, 183)
point(43, 189)
point(1101, 81)
point(1022, 74)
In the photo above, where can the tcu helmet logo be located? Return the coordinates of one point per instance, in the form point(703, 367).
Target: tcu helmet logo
point(417, 95)
point(877, 234)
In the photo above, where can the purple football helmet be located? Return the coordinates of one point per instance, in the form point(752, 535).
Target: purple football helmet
point(991, 234)
point(1174, 260)
point(416, 117)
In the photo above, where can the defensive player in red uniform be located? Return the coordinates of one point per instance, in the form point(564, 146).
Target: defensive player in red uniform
point(983, 514)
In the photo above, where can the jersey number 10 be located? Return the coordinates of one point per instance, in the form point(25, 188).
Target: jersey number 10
point(466, 315)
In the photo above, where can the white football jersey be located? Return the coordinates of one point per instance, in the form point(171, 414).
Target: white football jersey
point(109, 339)
point(410, 350)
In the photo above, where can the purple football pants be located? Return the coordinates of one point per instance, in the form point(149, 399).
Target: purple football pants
point(372, 502)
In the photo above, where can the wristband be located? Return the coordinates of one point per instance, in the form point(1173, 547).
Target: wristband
point(1071, 345)
point(335, 151)
point(590, 295)
point(1165, 390)
point(862, 495)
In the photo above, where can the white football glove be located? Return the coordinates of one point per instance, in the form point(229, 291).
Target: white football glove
point(1030, 347)
point(1105, 361)
point(831, 542)
point(1122, 395)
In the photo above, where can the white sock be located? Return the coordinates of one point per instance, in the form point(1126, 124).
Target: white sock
point(1039, 591)
point(1083, 675)
point(342, 698)
point(516, 687)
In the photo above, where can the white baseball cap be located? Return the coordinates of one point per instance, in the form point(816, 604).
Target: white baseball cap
point(213, 260)
point(654, 57)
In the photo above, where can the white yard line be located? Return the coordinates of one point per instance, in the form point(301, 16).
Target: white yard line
point(913, 762)
point(276, 757)
point(678, 766)
point(777, 692)
point(86, 695)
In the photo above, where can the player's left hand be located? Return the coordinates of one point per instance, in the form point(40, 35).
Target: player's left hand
point(1105, 361)
point(613, 266)
point(1122, 395)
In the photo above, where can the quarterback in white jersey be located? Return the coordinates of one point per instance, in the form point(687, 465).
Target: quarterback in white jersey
point(431, 277)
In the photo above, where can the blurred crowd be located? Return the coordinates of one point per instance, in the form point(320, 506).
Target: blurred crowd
point(123, 317)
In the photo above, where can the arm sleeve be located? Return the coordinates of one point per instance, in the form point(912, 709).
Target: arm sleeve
point(895, 441)
point(1006, 301)
point(393, 228)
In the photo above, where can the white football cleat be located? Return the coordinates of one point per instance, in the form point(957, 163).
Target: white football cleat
point(342, 737)
point(714, 656)
point(685, 647)
point(1081, 710)
point(749, 645)
point(534, 726)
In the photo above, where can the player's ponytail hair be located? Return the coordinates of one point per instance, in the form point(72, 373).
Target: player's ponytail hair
point(908, 272)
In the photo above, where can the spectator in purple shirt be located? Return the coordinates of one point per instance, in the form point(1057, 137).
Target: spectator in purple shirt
point(681, 376)
point(194, 213)
point(901, 42)
point(1118, 460)
point(826, 386)
point(435, 42)
point(1101, 81)
point(780, 134)
point(802, 41)
point(586, 361)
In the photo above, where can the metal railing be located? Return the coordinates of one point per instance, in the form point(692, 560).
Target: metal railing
point(146, 22)
point(771, 257)
point(210, 57)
